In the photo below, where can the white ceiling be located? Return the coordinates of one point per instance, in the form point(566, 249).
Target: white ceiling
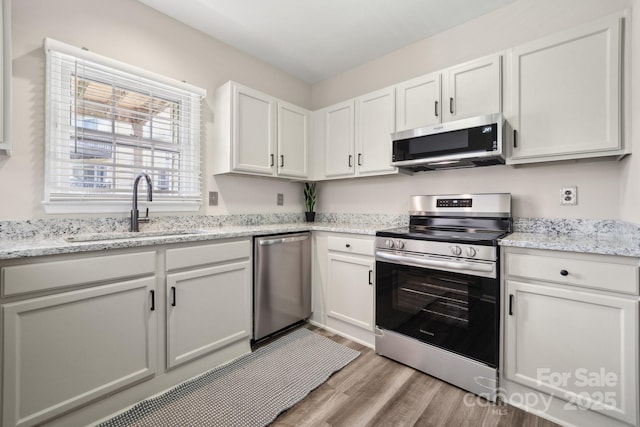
point(317, 39)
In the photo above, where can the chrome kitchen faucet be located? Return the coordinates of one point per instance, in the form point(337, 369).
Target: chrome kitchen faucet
point(135, 215)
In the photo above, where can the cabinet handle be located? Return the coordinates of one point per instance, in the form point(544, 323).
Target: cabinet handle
point(173, 296)
point(359, 159)
point(271, 155)
point(510, 304)
point(348, 245)
point(371, 277)
point(350, 158)
point(515, 141)
point(451, 105)
point(153, 300)
point(564, 273)
point(281, 160)
point(436, 109)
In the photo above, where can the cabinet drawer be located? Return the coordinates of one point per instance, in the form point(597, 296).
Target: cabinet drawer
point(351, 245)
point(207, 254)
point(20, 279)
point(579, 272)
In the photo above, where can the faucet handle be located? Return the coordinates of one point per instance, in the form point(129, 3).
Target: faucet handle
point(146, 217)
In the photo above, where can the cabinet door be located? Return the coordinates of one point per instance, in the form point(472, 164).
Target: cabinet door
point(473, 89)
point(418, 102)
point(339, 140)
point(578, 346)
point(374, 124)
point(253, 131)
point(566, 94)
point(67, 349)
point(293, 140)
point(207, 309)
point(350, 290)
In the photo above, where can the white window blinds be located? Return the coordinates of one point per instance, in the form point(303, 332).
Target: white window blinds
point(107, 122)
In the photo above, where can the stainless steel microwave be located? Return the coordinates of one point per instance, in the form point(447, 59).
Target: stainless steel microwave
point(476, 141)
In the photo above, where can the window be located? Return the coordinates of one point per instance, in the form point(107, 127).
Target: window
point(106, 123)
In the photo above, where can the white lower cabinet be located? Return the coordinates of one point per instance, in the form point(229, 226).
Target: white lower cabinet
point(575, 344)
point(350, 290)
point(84, 335)
point(344, 284)
point(64, 350)
point(207, 309)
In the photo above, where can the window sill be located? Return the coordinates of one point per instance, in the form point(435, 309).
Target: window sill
point(92, 207)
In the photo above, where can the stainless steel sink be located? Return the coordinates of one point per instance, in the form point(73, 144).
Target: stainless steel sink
point(97, 237)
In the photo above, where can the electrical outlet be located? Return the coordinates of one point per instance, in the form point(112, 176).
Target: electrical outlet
point(280, 201)
point(569, 195)
point(213, 198)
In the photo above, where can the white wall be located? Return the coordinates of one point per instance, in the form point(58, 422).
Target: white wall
point(535, 188)
point(129, 31)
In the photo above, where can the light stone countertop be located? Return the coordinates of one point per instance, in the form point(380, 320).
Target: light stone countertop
point(31, 247)
point(33, 238)
point(597, 243)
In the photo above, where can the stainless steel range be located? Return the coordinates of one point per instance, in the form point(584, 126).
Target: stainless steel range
point(437, 288)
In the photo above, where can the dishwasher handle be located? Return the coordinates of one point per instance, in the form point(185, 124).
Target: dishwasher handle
point(281, 240)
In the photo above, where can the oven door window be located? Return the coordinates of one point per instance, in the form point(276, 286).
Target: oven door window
point(457, 312)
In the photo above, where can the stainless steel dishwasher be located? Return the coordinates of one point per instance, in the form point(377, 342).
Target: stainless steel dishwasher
point(281, 282)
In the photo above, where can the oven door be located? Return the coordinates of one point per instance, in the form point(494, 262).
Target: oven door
point(449, 306)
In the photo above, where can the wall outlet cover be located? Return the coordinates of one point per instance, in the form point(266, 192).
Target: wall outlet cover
point(569, 195)
point(213, 198)
point(280, 200)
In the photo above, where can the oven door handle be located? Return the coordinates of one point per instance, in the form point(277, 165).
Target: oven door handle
point(463, 265)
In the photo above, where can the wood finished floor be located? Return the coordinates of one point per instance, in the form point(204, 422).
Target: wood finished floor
point(376, 391)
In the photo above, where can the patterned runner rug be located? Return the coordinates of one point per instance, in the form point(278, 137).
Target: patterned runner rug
point(250, 391)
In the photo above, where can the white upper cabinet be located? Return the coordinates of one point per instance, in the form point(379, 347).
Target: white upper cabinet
point(375, 122)
point(466, 90)
point(472, 89)
point(418, 102)
point(258, 134)
point(339, 137)
point(254, 130)
point(293, 140)
point(5, 77)
point(566, 94)
point(357, 135)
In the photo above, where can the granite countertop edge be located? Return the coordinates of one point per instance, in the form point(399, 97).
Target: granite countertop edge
point(25, 248)
point(599, 243)
point(609, 243)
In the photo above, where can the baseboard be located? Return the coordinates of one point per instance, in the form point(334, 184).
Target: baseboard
point(343, 334)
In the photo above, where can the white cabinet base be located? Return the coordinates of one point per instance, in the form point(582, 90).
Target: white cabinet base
point(198, 301)
point(551, 408)
point(55, 341)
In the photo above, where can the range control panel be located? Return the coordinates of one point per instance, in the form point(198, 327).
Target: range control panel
point(454, 203)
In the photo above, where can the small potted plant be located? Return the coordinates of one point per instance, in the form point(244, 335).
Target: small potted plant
point(310, 201)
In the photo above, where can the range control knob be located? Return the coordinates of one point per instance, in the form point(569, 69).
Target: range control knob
point(388, 243)
point(456, 250)
point(399, 244)
point(471, 252)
